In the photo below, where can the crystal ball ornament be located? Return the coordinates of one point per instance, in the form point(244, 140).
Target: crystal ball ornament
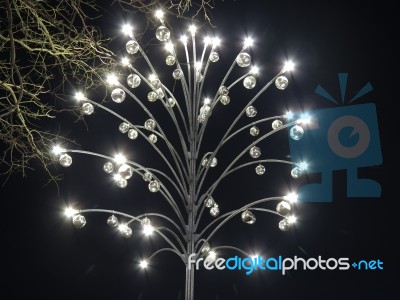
point(254, 131)
point(153, 138)
point(249, 82)
point(170, 60)
point(125, 230)
point(260, 170)
point(132, 47)
point(125, 171)
point(133, 80)
point(276, 124)
point(121, 182)
point(223, 90)
point(154, 186)
point(251, 111)
point(152, 96)
point(87, 108)
point(205, 249)
point(147, 176)
point(296, 132)
point(118, 95)
point(112, 221)
point(283, 208)
point(281, 82)
point(65, 160)
point(124, 127)
point(145, 221)
point(243, 59)
point(177, 74)
point(214, 56)
point(108, 167)
point(296, 172)
point(132, 134)
point(162, 33)
point(79, 221)
point(248, 217)
point(255, 152)
point(209, 202)
point(214, 211)
point(284, 225)
point(170, 102)
point(224, 99)
point(150, 124)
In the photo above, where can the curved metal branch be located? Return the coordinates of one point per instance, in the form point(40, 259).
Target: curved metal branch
point(166, 250)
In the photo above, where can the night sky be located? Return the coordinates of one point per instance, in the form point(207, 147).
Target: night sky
point(46, 256)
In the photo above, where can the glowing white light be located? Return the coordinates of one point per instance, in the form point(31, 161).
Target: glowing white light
point(304, 119)
point(303, 165)
point(184, 39)
point(207, 101)
point(292, 219)
point(289, 66)
point(207, 40)
point(127, 29)
point(79, 96)
point(248, 42)
point(159, 14)
point(212, 255)
point(148, 229)
point(144, 264)
point(215, 42)
point(120, 159)
point(254, 256)
point(291, 197)
point(70, 212)
point(169, 47)
point(152, 77)
point(57, 150)
point(112, 79)
point(192, 29)
point(289, 115)
point(198, 65)
point(125, 61)
point(254, 70)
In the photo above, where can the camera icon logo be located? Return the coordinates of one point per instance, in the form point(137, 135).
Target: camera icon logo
point(340, 138)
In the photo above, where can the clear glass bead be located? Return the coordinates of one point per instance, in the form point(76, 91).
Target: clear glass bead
point(154, 186)
point(177, 74)
point(243, 59)
point(214, 211)
point(150, 124)
point(112, 221)
point(153, 138)
point(108, 167)
point(125, 230)
point(125, 171)
point(249, 82)
point(145, 221)
point(118, 95)
point(147, 176)
point(79, 221)
point(281, 82)
point(170, 102)
point(254, 131)
point(87, 108)
point(255, 152)
point(121, 182)
point(209, 202)
point(284, 225)
point(276, 124)
point(223, 90)
point(155, 83)
point(225, 99)
point(260, 170)
point(152, 96)
point(251, 111)
point(132, 47)
point(160, 93)
point(65, 160)
point(296, 172)
point(296, 132)
point(248, 217)
point(133, 80)
point(162, 33)
point(214, 162)
point(124, 127)
point(132, 133)
point(214, 56)
point(283, 208)
point(170, 60)
point(205, 248)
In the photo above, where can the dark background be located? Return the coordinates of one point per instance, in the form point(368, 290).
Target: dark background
point(45, 256)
